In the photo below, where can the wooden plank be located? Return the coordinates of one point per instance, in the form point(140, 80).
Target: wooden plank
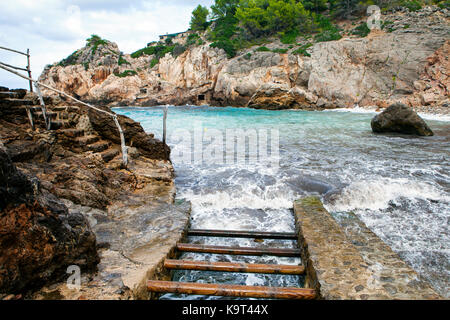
point(234, 267)
point(243, 234)
point(230, 290)
point(188, 247)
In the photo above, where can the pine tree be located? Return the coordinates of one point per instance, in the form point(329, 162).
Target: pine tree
point(316, 6)
point(345, 8)
point(199, 18)
point(223, 8)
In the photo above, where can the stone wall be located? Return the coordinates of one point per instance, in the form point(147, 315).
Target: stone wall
point(347, 261)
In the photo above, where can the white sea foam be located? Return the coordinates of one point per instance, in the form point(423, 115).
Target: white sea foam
point(373, 110)
point(435, 117)
point(276, 199)
point(379, 193)
point(354, 110)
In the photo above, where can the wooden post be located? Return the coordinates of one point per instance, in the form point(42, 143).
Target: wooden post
point(225, 290)
point(30, 117)
point(165, 124)
point(47, 120)
point(29, 70)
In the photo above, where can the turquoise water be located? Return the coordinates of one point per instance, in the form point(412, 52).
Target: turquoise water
point(398, 185)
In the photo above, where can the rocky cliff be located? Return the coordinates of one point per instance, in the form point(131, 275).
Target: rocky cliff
point(64, 193)
point(405, 62)
point(39, 237)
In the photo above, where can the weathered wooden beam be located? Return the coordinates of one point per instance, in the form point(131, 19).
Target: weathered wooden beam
point(234, 267)
point(29, 70)
point(230, 290)
point(30, 117)
point(10, 66)
point(188, 247)
point(165, 124)
point(243, 234)
point(12, 50)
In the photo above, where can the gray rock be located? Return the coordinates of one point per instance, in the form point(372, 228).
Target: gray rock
point(401, 119)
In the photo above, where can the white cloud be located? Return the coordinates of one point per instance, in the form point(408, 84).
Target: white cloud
point(53, 29)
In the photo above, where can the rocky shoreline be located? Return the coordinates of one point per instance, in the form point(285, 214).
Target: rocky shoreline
point(67, 199)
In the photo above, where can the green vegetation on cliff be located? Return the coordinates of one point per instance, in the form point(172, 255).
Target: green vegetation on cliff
point(70, 60)
point(126, 73)
point(234, 25)
point(94, 42)
point(239, 24)
point(159, 51)
point(199, 20)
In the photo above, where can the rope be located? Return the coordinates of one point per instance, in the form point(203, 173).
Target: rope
point(114, 116)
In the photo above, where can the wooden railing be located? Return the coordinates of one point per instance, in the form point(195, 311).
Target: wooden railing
point(27, 68)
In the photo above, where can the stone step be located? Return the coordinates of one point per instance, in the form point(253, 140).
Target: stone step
point(51, 115)
point(17, 102)
point(98, 146)
point(34, 109)
point(109, 154)
point(71, 133)
point(85, 140)
point(8, 95)
point(56, 125)
point(65, 108)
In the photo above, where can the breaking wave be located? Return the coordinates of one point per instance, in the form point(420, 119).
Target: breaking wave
point(381, 193)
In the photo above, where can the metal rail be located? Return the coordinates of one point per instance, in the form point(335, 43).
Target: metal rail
point(243, 234)
point(246, 251)
point(234, 267)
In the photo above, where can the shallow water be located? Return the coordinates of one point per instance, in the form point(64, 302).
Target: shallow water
point(398, 185)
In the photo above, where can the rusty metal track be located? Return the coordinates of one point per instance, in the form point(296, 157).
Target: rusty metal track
point(234, 267)
point(244, 234)
point(247, 251)
point(230, 290)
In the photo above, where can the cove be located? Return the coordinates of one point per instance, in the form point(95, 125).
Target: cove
point(398, 186)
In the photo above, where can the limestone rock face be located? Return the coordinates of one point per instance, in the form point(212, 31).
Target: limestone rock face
point(39, 238)
point(407, 63)
point(402, 119)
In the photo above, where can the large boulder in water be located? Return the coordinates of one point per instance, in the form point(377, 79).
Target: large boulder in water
point(401, 119)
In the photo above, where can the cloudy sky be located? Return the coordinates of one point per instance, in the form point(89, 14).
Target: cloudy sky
point(53, 29)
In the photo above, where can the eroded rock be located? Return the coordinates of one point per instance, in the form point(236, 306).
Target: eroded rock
point(39, 238)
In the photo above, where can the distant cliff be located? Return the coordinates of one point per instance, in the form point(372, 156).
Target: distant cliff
point(407, 62)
